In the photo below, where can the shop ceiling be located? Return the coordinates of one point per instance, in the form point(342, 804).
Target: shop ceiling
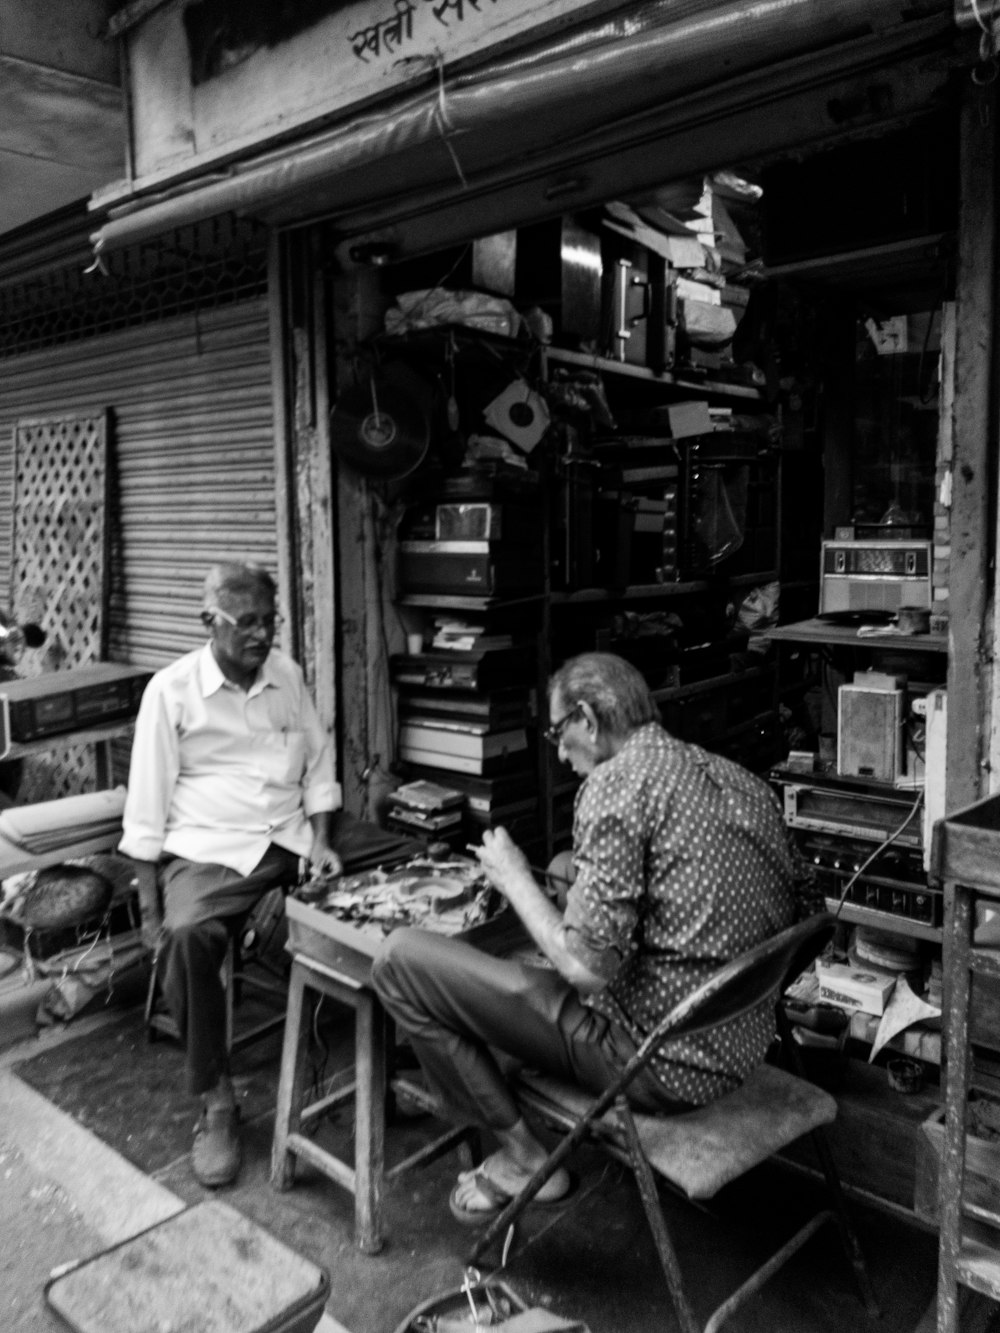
point(61, 115)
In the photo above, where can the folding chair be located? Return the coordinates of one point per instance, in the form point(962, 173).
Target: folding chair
point(697, 1152)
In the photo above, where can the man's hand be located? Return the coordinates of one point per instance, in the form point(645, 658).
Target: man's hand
point(502, 859)
point(324, 862)
point(150, 911)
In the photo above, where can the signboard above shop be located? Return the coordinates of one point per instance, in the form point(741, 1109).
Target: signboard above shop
point(209, 80)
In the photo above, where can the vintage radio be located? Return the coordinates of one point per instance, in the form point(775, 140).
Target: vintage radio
point(474, 568)
point(874, 576)
point(62, 701)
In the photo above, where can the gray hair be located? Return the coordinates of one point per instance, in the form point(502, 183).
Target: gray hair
point(237, 577)
point(614, 689)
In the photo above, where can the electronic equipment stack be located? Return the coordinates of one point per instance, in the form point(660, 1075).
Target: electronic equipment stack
point(470, 578)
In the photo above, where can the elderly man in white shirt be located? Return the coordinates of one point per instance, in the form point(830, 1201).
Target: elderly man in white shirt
point(231, 782)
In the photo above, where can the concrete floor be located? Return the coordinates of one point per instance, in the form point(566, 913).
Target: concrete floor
point(593, 1262)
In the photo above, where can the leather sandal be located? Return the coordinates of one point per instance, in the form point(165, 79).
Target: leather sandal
point(216, 1152)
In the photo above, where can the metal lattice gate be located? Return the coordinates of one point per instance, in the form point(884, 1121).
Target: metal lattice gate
point(60, 567)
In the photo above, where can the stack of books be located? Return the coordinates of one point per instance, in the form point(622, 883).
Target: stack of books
point(425, 807)
point(466, 635)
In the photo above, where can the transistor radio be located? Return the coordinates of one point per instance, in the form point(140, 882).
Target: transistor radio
point(874, 576)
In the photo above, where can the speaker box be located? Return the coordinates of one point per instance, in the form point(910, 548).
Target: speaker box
point(869, 733)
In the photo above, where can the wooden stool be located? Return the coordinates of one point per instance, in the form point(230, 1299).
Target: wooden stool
point(350, 983)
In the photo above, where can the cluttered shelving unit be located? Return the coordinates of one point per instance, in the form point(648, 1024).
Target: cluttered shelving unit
point(607, 387)
point(861, 813)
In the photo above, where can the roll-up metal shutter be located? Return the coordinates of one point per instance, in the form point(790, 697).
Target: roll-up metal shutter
point(191, 459)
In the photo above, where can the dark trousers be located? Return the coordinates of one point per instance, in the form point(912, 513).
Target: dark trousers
point(469, 1016)
point(204, 906)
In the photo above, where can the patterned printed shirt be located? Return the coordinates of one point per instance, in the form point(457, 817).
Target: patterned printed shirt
point(682, 863)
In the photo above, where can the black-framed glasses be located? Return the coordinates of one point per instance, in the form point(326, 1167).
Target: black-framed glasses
point(554, 734)
point(248, 624)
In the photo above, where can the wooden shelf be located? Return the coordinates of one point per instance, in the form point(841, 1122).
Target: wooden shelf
point(696, 687)
point(458, 602)
point(635, 592)
point(825, 632)
point(889, 922)
point(690, 381)
point(90, 736)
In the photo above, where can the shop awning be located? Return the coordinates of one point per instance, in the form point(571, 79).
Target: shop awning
point(537, 108)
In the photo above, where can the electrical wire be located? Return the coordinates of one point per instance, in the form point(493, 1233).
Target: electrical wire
point(878, 851)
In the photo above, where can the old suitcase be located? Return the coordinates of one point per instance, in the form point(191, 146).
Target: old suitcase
point(207, 1267)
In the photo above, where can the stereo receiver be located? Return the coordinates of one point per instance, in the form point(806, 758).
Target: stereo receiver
point(856, 814)
point(61, 701)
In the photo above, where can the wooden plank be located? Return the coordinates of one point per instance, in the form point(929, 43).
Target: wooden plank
point(969, 671)
point(957, 938)
point(322, 507)
point(281, 377)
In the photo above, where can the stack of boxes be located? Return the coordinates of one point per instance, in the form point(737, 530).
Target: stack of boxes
point(471, 558)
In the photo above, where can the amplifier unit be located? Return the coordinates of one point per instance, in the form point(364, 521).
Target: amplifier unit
point(477, 568)
point(894, 882)
point(874, 576)
point(62, 701)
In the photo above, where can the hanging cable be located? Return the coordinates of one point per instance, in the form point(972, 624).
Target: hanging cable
point(442, 121)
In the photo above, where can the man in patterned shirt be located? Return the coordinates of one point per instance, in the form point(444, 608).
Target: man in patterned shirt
point(680, 862)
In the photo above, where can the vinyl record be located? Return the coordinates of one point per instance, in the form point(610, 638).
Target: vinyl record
point(380, 429)
point(519, 415)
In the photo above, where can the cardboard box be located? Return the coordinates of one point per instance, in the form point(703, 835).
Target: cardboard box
point(853, 987)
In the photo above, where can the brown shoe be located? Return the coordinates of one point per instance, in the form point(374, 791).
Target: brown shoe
point(215, 1154)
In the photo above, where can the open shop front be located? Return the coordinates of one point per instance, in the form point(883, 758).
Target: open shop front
point(698, 379)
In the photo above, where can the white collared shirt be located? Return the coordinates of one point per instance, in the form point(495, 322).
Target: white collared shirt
point(218, 773)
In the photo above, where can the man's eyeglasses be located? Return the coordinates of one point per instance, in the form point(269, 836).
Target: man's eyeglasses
point(554, 734)
point(248, 624)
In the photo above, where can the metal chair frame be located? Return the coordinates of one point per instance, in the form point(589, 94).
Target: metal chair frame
point(735, 989)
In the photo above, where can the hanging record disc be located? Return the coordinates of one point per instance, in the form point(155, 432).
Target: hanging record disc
point(380, 429)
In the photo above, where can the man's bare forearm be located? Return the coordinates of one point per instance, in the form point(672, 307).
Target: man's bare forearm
point(544, 923)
